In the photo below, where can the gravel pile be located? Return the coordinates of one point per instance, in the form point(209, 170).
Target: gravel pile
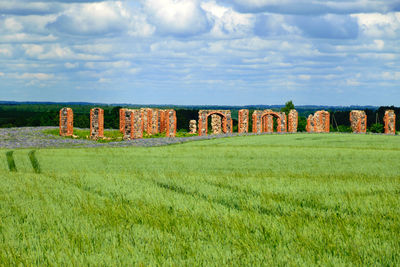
point(34, 137)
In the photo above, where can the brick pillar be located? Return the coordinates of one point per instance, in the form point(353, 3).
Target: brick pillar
point(390, 122)
point(171, 123)
point(127, 123)
point(310, 124)
point(293, 121)
point(257, 122)
point(358, 121)
point(137, 124)
point(162, 120)
point(66, 122)
point(216, 124)
point(192, 126)
point(319, 122)
point(122, 119)
point(243, 124)
point(96, 123)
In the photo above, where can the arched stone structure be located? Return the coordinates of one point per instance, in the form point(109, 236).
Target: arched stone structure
point(243, 118)
point(263, 121)
point(390, 122)
point(226, 120)
point(66, 122)
point(358, 121)
point(293, 121)
point(319, 122)
point(96, 123)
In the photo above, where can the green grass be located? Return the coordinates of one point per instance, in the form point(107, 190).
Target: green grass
point(110, 135)
point(301, 199)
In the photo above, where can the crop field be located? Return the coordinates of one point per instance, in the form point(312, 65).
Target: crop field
point(294, 199)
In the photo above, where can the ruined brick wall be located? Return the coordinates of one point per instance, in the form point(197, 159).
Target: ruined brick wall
point(216, 124)
point(243, 124)
point(96, 123)
point(293, 120)
point(192, 126)
point(226, 120)
point(263, 121)
point(319, 122)
point(66, 122)
point(390, 122)
point(171, 123)
point(358, 121)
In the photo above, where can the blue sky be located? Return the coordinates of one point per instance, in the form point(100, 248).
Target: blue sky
point(201, 51)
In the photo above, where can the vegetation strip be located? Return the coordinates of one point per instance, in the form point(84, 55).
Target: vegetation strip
point(10, 161)
point(34, 161)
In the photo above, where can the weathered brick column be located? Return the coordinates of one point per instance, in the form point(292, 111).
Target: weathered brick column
point(319, 122)
point(192, 126)
point(162, 120)
point(96, 123)
point(171, 123)
point(122, 119)
point(358, 121)
point(227, 125)
point(153, 122)
point(293, 120)
point(263, 121)
point(66, 122)
point(243, 123)
point(133, 124)
point(390, 122)
point(216, 124)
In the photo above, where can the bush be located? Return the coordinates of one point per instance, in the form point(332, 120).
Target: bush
point(376, 128)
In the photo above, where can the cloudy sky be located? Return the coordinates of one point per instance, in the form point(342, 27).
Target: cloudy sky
point(235, 52)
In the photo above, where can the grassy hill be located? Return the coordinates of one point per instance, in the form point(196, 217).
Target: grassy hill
point(301, 199)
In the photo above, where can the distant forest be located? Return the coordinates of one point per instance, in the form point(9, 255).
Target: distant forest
point(47, 114)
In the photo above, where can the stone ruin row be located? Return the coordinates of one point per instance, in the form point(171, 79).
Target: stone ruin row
point(358, 121)
point(66, 122)
point(134, 122)
point(319, 122)
point(221, 121)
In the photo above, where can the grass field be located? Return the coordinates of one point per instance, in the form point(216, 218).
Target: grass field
point(301, 199)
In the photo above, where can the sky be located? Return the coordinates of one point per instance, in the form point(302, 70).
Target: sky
point(201, 52)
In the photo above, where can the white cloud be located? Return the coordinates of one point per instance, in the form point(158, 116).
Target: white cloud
point(378, 25)
point(69, 65)
point(12, 25)
point(177, 17)
point(1, 74)
point(304, 77)
point(391, 75)
point(93, 19)
point(38, 76)
point(227, 22)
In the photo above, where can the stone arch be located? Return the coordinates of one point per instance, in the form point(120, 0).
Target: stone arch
point(262, 120)
point(226, 120)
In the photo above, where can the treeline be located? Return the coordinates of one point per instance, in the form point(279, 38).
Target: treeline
point(24, 115)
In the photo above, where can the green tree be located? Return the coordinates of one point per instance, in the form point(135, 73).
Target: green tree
point(288, 106)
